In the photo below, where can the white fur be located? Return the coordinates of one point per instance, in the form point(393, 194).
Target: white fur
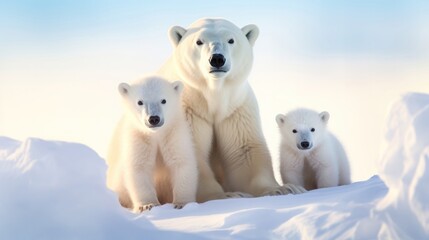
point(149, 166)
point(222, 109)
point(324, 164)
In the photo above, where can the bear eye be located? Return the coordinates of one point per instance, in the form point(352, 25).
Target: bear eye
point(231, 41)
point(140, 102)
point(163, 101)
point(313, 129)
point(294, 131)
point(199, 42)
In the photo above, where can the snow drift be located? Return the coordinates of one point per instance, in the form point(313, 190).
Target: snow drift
point(56, 190)
point(405, 170)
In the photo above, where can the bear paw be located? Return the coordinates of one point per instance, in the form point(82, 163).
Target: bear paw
point(288, 188)
point(294, 189)
point(145, 207)
point(238, 195)
point(179, 205)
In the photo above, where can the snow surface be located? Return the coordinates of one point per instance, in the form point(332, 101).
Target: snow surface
point(56, 190)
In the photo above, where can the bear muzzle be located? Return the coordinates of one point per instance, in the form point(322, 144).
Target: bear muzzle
point(218, 64)
point(154, 122)
point(304, 145)
point(217, 60)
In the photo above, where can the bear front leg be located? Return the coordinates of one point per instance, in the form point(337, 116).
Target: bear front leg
point(326, 169)
point(202, 133)
point(179, 157)
point(139, 178)
point(184, 183)
point(291, 168)
point(141, 189)
point(326, 177)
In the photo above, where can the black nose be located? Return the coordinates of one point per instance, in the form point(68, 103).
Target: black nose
point(217, 60)
point(154, 120)
point(305, 144)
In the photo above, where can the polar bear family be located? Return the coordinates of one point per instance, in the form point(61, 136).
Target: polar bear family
point(209, 144)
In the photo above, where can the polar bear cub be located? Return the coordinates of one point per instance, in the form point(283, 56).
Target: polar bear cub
point(310, 156)
point(151, 157)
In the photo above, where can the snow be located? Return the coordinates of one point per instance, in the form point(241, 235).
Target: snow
point(405, 167)
point(56, 190)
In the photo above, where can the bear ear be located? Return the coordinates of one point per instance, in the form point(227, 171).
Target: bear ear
point(324, 116)
point(176, 34)
point(251, 32)
point(124, 88)
point(178, 86)
point(280, 118)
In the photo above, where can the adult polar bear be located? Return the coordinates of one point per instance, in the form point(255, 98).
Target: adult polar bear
point(213, 57)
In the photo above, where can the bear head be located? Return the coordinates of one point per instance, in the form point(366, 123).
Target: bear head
point(303, 128)
point(213, 52)
point(152, 102)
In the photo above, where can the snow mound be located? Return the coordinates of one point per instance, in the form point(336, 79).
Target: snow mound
point(56, 190)
point(320, 214)
point(405, 168)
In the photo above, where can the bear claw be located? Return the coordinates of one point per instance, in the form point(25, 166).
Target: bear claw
point(294, 189)
point(146, 207)
point(238, 195)
point(285, 189)
point(179, 205)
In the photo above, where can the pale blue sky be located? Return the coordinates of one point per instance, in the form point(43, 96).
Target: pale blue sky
point(61, 61)
point(314, 28)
